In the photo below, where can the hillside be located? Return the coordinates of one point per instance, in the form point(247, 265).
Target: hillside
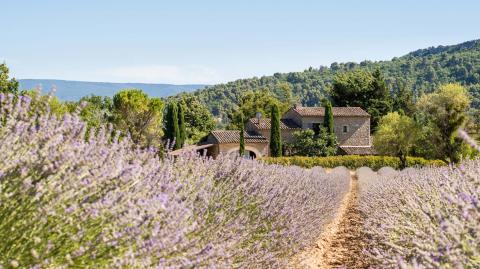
point(421, 71)
point(74, 90)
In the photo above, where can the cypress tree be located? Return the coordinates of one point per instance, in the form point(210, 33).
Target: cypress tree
point(328, 124)
point(242, 137)
point(181, 125)
point(328, 119)
point(172, 132)
point(275, 136)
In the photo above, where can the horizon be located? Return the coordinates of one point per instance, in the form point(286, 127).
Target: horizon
point(214, 42)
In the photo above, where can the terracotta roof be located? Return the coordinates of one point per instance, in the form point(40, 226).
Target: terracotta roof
point(356, 150)
point(264, 124)
point(337, 111)
point(223, 136)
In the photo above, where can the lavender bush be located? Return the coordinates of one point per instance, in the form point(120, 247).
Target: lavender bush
point(423, 218)
point(71, 199)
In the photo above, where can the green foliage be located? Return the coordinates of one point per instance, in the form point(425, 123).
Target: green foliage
point(7, 85)
point(307, 143)
point(198, 120)
point(396, 136)
point(351, 161)
point(242, 138)
point(275, 135)
point(363, 89)
point(252, 102)
point(446, 110)
point(96, 111)
point(403, 100)
point(55, 106)
point(140, 116)
point(328, 124)
point(181, 125)
point(420, 71)
point(172, 131)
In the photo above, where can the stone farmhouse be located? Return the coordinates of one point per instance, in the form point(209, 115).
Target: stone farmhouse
point(351, 124)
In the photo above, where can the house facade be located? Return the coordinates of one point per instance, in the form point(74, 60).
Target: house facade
point(351, 126)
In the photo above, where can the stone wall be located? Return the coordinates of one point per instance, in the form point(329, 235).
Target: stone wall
point(260, 149)
point(358, 133)
point(287, 135)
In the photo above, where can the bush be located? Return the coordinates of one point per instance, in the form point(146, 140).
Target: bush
point(351, 161)
point(422, 218)
point(68, 201)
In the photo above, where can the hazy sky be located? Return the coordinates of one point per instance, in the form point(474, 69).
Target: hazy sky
point(207, 41)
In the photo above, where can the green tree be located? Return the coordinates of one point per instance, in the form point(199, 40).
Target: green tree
point(96, 111)
point(446, 109)
point(242, 138)
point(181, 125)
point(252, 102)
point(328, 124)
point(403, 101)
point(198, 119)
point(7, 85)
point(275, 135)
point(307, 143)
point(140, 116)
point(364, 89)
point(396, 135)
point(172, 130)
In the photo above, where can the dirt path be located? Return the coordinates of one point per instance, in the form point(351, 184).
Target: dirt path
point(341, 245)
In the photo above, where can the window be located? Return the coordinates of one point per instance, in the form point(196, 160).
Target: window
point(345, 128)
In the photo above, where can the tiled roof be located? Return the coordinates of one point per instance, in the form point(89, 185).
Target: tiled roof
point(223, 136)
point(264, 124)
point(352, 150)
point(337, 111)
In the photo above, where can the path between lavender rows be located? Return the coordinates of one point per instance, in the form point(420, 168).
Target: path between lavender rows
point(341, 243)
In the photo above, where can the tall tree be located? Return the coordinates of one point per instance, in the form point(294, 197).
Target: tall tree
point(364, 89)
point(172, 131)
point(242, 138)
point(403, 101)
point(252, 102)
point(7, 85)
point(134, 112)
point(328, 123)
point(275, 135)
point(446, 108)
point(396, 136)
point(198, 120)
point(181, 125)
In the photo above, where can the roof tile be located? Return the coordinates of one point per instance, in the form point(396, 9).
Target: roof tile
point(264, 124)
point(337, 111)
point(227, 136)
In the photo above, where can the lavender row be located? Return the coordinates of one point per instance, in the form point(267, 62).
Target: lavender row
point(66, 200)
point(422, 218)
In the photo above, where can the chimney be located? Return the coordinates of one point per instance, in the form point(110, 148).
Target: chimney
point(258, 115)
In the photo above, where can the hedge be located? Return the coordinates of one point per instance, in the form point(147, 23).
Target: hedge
point(351, 161)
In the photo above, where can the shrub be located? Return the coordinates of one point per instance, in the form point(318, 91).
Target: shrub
point(351, 161)
point(422, 218)
point(68, 201)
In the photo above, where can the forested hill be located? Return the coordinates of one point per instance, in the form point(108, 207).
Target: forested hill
point(420, 71)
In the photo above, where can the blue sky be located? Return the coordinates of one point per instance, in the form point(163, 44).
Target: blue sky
point(217, 41)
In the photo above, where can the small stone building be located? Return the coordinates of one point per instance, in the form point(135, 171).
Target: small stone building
point(351, 126)
point(227, 142)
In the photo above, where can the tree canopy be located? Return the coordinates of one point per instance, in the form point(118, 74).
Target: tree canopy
point(134, 112)
point(396, 135)
point(7, 84)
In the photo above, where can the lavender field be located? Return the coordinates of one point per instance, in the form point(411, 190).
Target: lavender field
point(69, 199)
